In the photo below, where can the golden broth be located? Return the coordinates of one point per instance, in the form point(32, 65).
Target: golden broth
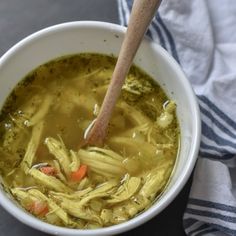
point(45, 118)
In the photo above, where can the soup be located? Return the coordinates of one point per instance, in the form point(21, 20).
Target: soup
point(45, 118)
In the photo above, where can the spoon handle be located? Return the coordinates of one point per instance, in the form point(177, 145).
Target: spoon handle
point(140, 18)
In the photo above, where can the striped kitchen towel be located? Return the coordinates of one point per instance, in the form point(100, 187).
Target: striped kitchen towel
point(201, 36)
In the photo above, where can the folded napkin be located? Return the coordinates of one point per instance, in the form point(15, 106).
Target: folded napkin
point(201, 36)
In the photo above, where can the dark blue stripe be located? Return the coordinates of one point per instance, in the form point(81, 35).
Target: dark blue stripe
point(209, 204)
point(169, 37)
point(211, 215)
point(129, 4)
point(225, 230)
point(204, 154)
point(217, 123)
point(222, 151)
point(149, 34)
point(221, 114)
point(216, 227)
point(219, 228)
point(210, 133)
point(201, 227)
point(206, 232)
point(157, 29)
point(188, 222)
point(123, 13)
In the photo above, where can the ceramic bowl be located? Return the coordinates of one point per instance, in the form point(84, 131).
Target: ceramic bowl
point(106, 38)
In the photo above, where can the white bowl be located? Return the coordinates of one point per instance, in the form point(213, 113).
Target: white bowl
point(106, 38)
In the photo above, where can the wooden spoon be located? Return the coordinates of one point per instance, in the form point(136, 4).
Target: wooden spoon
point(140, 18)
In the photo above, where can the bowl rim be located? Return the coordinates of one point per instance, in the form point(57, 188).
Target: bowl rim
point(32, 221)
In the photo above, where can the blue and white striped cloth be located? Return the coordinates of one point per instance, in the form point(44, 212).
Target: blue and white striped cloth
point(201, 36)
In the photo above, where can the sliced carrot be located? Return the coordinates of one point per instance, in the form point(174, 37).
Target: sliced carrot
point(38, 208)
point(44, 212)
point(76, 176)
point(48, 170)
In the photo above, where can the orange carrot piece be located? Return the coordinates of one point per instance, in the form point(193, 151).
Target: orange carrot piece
point(44, 212)
point(38, 208)
point(48, 170)
point(76, 176)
